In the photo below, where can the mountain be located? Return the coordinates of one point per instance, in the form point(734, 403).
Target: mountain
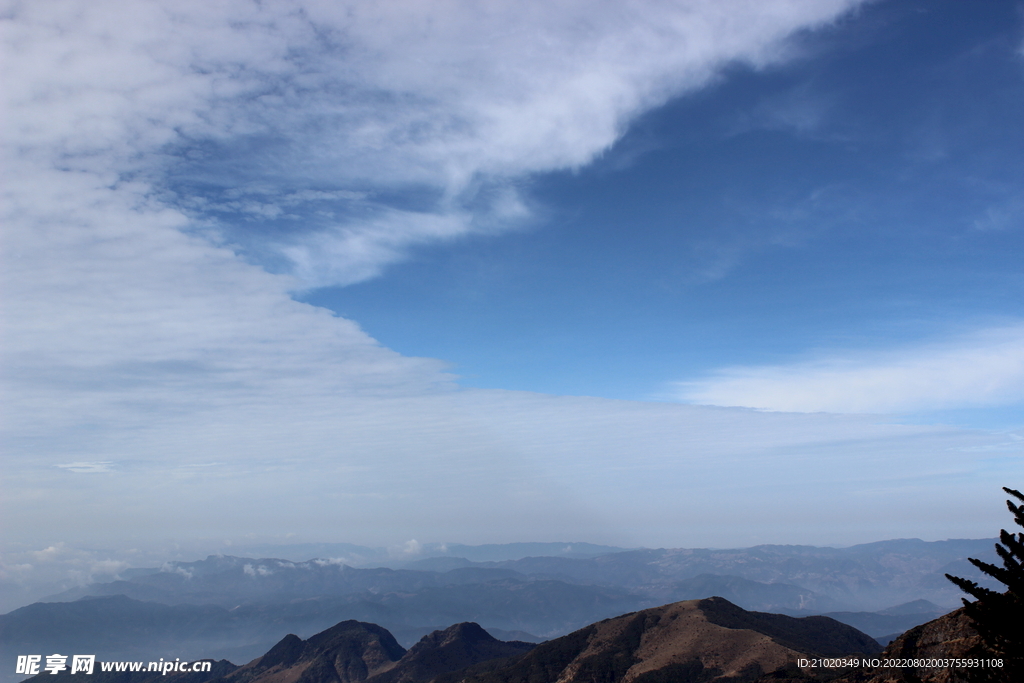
point(229, 581)
point(693, 641)
point(866, 577)
point(697, 641)
point(535, 606)
point(457, 647)
point(349, 652)
point(117, 627)
point(236, 607)
point(949, 637)
point(791, 579)
point(120, 628)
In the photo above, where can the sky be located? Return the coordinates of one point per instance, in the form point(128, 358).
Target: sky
point(647, 273)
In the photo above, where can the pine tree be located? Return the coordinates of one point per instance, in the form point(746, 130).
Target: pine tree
point(999, 617)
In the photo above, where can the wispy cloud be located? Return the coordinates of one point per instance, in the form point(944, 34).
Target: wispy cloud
point(984, 369)
point(1006, 215)
point(88, 467)
point(451, 99)
point(133, 128)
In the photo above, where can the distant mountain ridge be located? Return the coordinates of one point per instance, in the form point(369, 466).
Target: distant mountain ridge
point(698, 641)
point(703, 640)
point(867, 577)
point(357, 555)
point(892, 621)
point(237, 607)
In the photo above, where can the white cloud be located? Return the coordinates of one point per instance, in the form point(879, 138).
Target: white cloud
point(984, 369)
point(410, 547)
point(360, 98)
point(88, 467)
point(27, 574)
point(1006, 215)
point(122, 320)
point(132, 336)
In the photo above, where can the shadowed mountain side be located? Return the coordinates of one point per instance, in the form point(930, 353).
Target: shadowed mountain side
point(949, 637)
point(452, 649)
point(814, 635)
point(509, 636)
point(348, 652)
point(698, 640)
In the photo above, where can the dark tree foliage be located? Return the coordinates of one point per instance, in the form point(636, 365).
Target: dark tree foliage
point(999, 617)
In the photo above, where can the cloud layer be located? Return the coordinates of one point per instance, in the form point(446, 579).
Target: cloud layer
point(174, 170)
point(984, 369)
point(140, 137)
point(452, 100)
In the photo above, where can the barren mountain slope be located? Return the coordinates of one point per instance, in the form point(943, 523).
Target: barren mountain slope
point(348, 652)
point(949, 637)
point(697, 640)
point(454, 648)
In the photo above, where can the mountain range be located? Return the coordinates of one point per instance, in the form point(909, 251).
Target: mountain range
point(236, 608)
point(866, 577)
point(698, 640)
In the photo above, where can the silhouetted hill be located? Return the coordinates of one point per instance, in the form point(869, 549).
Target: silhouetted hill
point(452, 649)
point(348, 652)
point(695, 641)
point(949, 637)
point(814, 635)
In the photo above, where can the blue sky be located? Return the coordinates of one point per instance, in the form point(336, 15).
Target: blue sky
point(628, 273)
point(862, 196)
